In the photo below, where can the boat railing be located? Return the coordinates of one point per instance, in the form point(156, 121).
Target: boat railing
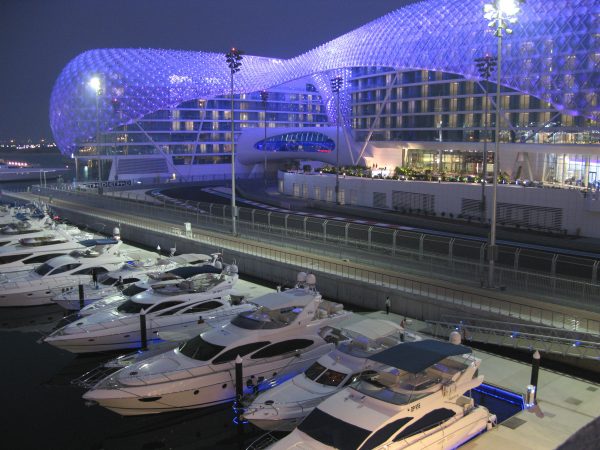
point(263, 441)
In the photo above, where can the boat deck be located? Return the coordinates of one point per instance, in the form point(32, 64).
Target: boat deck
point(564, 403)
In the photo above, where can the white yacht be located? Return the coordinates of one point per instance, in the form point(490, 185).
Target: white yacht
point(414, 400)
point(183, 272)
point(40, 285)
point(36, 250)
point(112, 285)
point(280, 338)
point(284, 406)
point(169, 305)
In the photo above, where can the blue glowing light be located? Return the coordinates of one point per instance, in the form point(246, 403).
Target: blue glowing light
point(552, 54)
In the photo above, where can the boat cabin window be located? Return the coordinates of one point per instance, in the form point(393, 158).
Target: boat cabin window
point(427, 422)
point(88, 271)
point(281, 348)
point(131, 307)
point(314, 371)
point(331, 378)
point(12, 258)
point(132, 290)
point(198, 348)
point(43, 269)
point(41, 258)
point(68, 267)
point(332, 431)
point(205, 306)
point(241, 350)
point(383, 434)
point(107, 280)
point(164, 305)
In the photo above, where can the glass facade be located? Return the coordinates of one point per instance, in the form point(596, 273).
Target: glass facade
point(409, 76)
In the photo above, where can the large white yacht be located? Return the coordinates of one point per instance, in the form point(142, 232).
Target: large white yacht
point(180, 273)
point(284, 406)
point(414, 400)
point(169, 305)
point(35, 250)
point(111, 285)
point(282, 337)
point(40, 285)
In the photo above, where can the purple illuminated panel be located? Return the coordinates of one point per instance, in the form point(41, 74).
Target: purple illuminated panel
point(553, 54)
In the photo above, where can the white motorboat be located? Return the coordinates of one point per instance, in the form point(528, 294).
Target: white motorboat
point(24, 226)
point(169, 305)
point(35, 250)
point(415, 400)
point(284, 406)
point(112, 286)
point(281, 338)
point(183, 272)
point(40, 285)
point(13, 214)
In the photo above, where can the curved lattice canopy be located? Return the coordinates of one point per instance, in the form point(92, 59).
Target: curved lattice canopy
point(553, 53)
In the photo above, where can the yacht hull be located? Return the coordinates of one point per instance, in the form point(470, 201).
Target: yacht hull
point(30, 297)
point(121, 338)
point(196, 391)
point(453, 434)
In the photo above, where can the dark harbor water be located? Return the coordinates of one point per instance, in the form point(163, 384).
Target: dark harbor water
point(41, 409)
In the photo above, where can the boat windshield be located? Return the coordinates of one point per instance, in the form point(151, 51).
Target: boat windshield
point(37, 242)
point(265, 318)
point(398, 389)
point(327, 377)
point(43, 269)
point(198, 348)
point(132, 289)
point(131, 307)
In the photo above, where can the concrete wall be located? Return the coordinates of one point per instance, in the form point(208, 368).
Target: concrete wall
point(580, 211)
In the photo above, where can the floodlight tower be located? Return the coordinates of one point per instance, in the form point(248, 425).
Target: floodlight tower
point(234, 62)
point(336, 86)
point(264, 96)
point(95, 84)
point(485, 66)
point(500, 14)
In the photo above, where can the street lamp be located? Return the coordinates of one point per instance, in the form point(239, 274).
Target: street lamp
point(96, 85)
point(234, 61)
point(500, 14)
point(264, 95)
point(485, 66)
point(336, 85)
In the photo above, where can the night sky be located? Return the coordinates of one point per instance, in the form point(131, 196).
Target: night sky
point(39, 37)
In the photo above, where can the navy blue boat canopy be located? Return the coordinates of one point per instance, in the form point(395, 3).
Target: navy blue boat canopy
point(93, 242)
point(414, 357)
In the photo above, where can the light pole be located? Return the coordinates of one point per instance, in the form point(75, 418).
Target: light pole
point(485, 65)
point(96, 84)
point(264, 95)
point(234, 61)
point(336, 85)
point(500, 14)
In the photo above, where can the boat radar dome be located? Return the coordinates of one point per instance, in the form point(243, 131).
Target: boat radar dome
point(301, 278)
point(116, 233)
point(455, 338)
point(232, 268)
point(311, 280)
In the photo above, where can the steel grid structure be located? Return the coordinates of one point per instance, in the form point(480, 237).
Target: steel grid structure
point(554, 54)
